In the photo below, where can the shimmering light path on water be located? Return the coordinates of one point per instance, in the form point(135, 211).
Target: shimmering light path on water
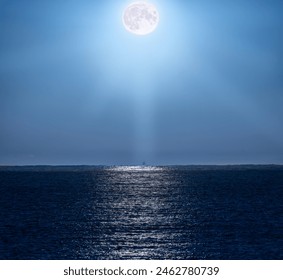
point(141, 213)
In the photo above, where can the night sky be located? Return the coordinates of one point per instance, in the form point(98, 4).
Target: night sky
point(205, 88)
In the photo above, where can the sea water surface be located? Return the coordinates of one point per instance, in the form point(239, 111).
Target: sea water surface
point(124, 212)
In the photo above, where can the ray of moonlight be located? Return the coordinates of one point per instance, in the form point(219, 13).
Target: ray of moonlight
point(140, 18)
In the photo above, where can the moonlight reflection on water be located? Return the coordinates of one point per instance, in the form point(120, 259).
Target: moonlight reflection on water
point(141, 212)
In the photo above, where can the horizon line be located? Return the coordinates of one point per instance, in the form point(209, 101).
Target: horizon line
point(97, 165)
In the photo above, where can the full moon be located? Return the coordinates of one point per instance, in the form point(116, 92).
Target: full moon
point(140, 18)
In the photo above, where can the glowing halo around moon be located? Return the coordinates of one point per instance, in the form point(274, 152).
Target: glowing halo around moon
point(140, 18)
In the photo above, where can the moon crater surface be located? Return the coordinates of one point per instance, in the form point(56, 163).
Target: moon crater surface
point(140, 18)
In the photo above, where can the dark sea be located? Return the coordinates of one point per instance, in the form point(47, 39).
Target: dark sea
point(123, 212)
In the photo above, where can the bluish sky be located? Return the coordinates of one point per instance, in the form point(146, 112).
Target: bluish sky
point(205, 88)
